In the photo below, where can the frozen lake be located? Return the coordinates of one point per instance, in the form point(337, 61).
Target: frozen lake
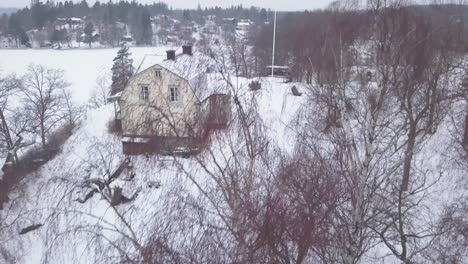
point(82, 66)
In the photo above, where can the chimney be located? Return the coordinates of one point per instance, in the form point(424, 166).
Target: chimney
point(170, 54)
point(187, 50)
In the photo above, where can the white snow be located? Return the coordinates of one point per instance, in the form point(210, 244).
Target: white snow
point(92, 151)
point(82, 66)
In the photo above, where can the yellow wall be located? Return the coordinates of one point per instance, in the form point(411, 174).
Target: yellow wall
point(158, 115)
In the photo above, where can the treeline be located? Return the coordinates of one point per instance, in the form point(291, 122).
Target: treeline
point(42, 13)
point(104, 16)
point(311, 43)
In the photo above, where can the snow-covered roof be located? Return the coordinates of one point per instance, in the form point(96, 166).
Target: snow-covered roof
point(277, 67)
point(196, 69)
point(94, 34)
point(114, 97)
point(135, 140)
point(189, 67)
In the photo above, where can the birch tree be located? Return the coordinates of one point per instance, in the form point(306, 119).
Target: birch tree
point(15, 122)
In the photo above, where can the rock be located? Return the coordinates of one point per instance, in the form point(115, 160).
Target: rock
point(29, 229)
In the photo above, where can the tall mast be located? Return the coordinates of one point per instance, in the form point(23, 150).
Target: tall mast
point(274, 44)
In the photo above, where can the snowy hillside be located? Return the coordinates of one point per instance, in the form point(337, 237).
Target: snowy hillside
point(169, 198)
point(157, 184)
point(356, 152)
point(284, 150)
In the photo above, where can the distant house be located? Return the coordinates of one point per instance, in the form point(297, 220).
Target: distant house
point(127, 39)
point(172, 39)
point(210, 27)
point(229, 21)
point(160, 19)
point(172, 105)
point(244, 25)
point(71, 23)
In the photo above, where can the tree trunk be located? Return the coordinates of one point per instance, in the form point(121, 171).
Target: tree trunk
point(465, 136)
point(9, 141)
point(43, 136)
point(408, 157)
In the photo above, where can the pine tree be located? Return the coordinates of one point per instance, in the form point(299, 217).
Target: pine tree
point(16, 29)
point(89, 33)
point(122, 70)
point(147, 31)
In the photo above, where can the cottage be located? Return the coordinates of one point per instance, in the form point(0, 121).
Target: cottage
point(277, 71)
point(172, 105)
point(244, 25)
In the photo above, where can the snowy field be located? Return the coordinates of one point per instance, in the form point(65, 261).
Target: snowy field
point(82, 66)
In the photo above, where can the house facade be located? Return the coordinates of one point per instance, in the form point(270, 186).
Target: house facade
point(171, 105)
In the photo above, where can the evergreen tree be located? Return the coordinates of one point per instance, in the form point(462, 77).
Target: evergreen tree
point(83, 9)
point(23, 38)
point(39, 14)
point(186, 15)
point(89, 33)
point(263, 15)
point(147, 30)
point(122, 70)
point(17, 31)
point(59, 35)
point(4, 23)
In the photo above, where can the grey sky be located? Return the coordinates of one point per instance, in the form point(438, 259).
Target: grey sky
point(283, 5)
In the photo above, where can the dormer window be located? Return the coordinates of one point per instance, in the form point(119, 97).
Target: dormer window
point(174, 95)
point(144, 93)
point(157, 73)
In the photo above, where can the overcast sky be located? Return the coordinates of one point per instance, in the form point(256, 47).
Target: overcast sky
point(283, 5)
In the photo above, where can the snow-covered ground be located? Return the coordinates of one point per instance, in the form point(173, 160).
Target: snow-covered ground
point(49, 196)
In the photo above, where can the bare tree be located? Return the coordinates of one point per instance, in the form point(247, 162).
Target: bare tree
point(100, 92)
point(415, 63)
point(45, 97)
point(14, 120)
point(8, 86)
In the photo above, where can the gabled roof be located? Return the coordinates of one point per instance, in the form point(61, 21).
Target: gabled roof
point(198, 69)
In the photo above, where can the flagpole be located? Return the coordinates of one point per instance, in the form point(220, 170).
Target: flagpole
point(274, 44)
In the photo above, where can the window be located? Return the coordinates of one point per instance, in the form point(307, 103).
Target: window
point(144, 93)
point(157, 72)
point(174, 95)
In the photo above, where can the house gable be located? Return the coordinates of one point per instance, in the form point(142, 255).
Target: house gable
point(147, 108)
point(177, 102)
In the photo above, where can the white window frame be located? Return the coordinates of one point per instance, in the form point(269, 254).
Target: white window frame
point(174, 94)
point(144, 92)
